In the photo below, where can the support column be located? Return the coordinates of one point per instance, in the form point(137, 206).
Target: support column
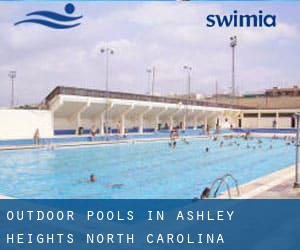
point(277, 120)
point(77, 116)
point(258, 119)
point(205, 123)
point(141, 124)
point(171, 122)
point(195, 122)
point(157, 118)
point(242, 119)
point(184, 122)
point(78, 122)
point(123, 119)
point(156, 122)
point(101, 128)
point(141, 119)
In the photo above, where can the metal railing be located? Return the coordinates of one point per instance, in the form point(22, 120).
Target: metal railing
point(130, 96)
point(220, 182)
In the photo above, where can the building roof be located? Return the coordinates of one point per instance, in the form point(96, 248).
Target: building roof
point(60, 90)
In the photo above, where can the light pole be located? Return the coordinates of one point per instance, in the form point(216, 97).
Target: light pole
point(188, 69)
point(233, 44)
point(217, 91)
point(297, 181)
point(153, 78)
point(12, 75)
point(107, 51)
point(153, 72)
point(149, 72)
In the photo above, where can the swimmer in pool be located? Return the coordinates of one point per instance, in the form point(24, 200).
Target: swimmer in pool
point(117, 185)
point(93, 178)
point(207, 149)
point(185, 141)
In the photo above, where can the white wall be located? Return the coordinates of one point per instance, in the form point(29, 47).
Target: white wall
point(267, 122)
point(22, 124)
point(284, 122)
point(64, 123)
point(249, 122)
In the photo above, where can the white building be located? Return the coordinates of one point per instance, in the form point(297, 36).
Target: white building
point(70, 109)
point(74, 108)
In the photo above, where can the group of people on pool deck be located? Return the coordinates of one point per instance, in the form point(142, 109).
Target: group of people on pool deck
point(93, 179)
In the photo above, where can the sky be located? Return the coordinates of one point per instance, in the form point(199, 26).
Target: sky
point(166, 35)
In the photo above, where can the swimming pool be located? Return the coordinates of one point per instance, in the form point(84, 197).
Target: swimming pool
point(147, 170)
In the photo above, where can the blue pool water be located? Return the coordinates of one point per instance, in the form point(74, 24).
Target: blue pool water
point(147, 170)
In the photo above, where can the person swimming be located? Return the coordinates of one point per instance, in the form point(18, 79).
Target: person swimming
point(93, 178)
point(207, 149)
point(185, 141)
point(116, 186)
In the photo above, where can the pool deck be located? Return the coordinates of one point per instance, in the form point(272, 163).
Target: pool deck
point(130, 140)
point(98, 142)
point(277, 185)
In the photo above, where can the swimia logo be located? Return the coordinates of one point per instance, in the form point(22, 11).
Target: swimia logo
point(52, 19)
point(242, 20)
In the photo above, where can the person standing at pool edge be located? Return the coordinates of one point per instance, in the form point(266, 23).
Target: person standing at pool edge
point(36, 137)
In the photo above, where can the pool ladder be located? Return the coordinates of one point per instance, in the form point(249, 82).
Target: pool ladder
point(223, 180)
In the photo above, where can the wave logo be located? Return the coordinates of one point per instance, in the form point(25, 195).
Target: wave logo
point(53, 20)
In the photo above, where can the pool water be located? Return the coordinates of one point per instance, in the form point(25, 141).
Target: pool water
point(146, 170)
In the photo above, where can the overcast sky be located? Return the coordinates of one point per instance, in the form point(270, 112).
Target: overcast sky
point(167, 35)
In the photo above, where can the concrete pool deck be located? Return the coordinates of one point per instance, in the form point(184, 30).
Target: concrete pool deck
point(130, 140)
point(99, 142)
point(277, 185)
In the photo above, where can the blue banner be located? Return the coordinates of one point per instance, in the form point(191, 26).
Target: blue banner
point(149, 224)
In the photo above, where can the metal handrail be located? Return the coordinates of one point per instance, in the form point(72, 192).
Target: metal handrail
point(220, 181)
point(235, 182)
